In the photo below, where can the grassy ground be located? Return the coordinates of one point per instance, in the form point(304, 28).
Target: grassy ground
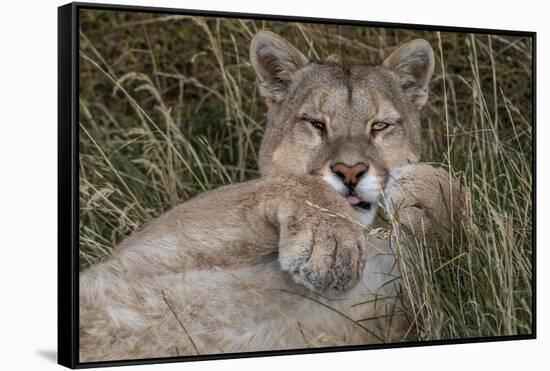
point(169, 107)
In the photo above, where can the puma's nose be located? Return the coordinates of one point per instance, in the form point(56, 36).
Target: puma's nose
point(350, 175)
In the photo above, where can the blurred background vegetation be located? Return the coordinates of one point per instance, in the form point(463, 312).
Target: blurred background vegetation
point(169, 107)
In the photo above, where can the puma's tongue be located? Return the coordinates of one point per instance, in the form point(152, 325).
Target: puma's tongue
point(353, 200)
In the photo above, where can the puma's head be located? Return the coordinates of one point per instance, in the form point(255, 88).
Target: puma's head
point(350, 124)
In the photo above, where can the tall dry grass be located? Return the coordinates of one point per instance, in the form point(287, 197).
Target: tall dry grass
point(169, 107)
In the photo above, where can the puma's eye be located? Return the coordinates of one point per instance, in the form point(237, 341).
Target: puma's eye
point(319, 125)
point(379, 126)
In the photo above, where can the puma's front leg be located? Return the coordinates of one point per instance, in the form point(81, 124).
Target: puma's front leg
point(419, 195)
point(312, 229)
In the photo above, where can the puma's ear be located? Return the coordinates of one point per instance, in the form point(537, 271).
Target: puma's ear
point(414, 63)
point(275, 61)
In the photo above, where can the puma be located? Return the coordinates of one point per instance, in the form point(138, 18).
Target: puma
point(283, 261)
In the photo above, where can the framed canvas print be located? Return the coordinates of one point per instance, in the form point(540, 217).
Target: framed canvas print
point(236, 185)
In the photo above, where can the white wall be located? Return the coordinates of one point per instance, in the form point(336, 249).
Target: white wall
point(28, 181)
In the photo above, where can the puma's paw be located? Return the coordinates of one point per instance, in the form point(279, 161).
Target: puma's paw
point(322, 251)
point(420, 195)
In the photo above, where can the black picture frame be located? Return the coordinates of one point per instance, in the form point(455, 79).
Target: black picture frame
point(68, 179)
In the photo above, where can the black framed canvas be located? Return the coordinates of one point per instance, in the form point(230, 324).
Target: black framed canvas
point(238, 185)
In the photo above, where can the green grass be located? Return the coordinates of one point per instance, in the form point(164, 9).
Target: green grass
point(169, 107)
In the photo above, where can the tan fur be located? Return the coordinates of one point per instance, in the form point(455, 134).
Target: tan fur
point(418, 194)
point(274, 263)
